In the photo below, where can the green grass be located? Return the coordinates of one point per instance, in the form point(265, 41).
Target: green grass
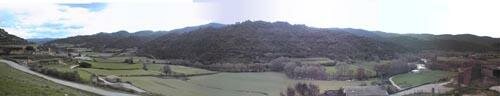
point(115, 66)
point(17, 83)
point(84, 76)
point(120, 72)
point(60, 67)
point(120, 59)
point(413, 79)
point(331, 70)
point(179, 69)
point(229, 84)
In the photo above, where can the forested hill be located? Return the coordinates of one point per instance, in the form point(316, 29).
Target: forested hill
point(121, 39)
point(8, 39)
point(419, 42)
point(258, 41)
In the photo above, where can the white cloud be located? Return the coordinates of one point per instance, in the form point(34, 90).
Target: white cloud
point(165, 15)
point(144, 16)
point(478, 17)
point(18, 32)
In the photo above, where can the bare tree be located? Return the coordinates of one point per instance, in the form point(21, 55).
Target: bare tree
point(166, 69)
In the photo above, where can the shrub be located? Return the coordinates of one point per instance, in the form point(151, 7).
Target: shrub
point(85, 65)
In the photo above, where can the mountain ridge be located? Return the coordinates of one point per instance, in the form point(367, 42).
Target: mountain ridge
point(9, 39)
point(260, 41)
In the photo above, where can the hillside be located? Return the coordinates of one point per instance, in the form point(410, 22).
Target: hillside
point(121, 39)
point(7, 39)
point(259, 41)
point(253, 42)
point(18, 83)
point(40, 40)
point(419, 42)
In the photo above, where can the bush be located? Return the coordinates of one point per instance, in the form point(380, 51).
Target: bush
point(302, 89)
point(85, 65)
point(305, 71)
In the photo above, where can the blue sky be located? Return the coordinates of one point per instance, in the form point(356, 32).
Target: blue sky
point(63, 18)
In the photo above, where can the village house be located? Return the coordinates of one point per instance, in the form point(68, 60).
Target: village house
point(489, 74)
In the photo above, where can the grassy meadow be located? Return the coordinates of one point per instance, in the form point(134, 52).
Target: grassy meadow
point(121, 72)
point(17, 83)
point(414, 79)
point(179, 69)
point(230, 84)
point(115, 65)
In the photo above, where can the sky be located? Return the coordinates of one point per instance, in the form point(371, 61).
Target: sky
point(64, 18)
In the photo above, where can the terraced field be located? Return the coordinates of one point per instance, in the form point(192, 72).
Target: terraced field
point(17, 83)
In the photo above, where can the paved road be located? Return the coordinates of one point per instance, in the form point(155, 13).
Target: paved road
point(438, 88)
point(73, 66)
point(67, 83)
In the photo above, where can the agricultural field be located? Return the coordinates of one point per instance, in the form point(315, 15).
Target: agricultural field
point(179, 69)
point(414, 79)
point(84, 76)
point(115, 66)
point(18, 83)
point(121, 59)
point(97, 54)
point(230, 84)
point(121, 72)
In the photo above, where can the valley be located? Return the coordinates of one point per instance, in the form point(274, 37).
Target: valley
point(258, 58)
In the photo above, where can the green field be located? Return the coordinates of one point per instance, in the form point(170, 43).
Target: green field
point(17, 83)
point(414, 79)
point(115, 66)
point(121, 72)
point(120, 59)
point(84, 76)
point(229, 84)
point(179, 69)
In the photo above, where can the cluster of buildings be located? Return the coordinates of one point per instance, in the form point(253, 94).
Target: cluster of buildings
point(486, 73)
